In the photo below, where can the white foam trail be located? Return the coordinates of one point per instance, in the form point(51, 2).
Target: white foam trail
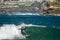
point(10, 32)
point(19, 13)
point(31, 25)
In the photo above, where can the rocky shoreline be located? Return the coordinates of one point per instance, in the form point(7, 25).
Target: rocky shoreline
point(54, 12)
point(33, 8)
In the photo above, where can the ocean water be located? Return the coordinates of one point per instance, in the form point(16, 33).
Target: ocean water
point(37, 27)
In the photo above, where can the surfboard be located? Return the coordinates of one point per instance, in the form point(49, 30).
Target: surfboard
point(27, 35)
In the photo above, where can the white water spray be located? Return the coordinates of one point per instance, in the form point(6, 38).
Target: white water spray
point(10, 32)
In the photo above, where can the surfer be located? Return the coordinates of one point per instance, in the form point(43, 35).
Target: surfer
point(23, 28)
point(23, 32)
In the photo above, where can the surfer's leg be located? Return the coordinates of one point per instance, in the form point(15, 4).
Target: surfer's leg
point(23, 32)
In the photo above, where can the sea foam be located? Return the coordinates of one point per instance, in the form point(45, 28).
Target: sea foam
point(10, 32)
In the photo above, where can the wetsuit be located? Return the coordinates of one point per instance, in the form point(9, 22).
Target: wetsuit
point(23, 31)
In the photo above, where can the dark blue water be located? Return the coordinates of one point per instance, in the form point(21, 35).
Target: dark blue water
point(30, 19)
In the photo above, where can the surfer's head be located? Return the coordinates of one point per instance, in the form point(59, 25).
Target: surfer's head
point(23, 27)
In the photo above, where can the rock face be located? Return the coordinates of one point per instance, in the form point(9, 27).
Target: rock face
point(44, 7)
point(51, 0)
point(1, 1)
point(32, 7)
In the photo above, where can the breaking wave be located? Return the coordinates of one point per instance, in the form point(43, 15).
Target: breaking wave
point(19, 13)
point(11, 31)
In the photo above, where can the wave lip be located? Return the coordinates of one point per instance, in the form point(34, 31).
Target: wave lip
point(30, 25)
